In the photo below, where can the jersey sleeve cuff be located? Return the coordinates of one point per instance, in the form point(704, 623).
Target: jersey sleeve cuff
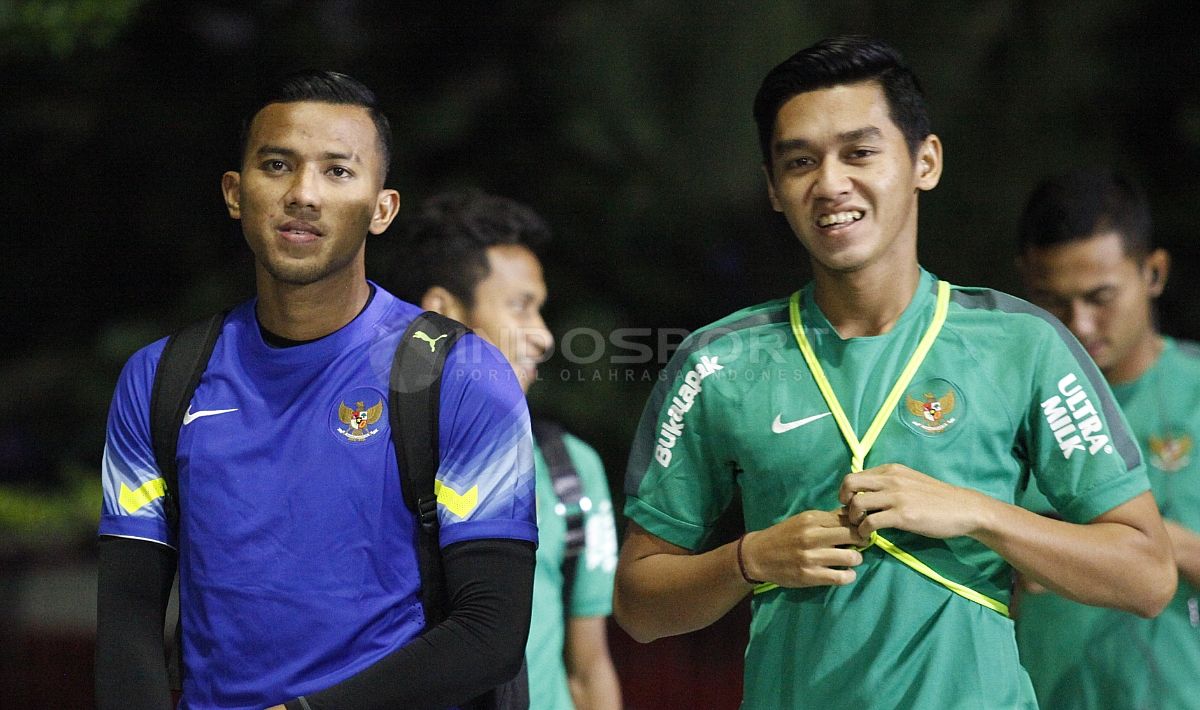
point(487, 529)
point(152, 529)
point(1106, 496)
point(659, 524)
point(596, 607)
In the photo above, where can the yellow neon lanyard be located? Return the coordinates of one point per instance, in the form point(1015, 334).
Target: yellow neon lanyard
point(860, 448)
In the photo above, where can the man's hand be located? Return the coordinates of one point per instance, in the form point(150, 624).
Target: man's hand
point(1186, 544)
point(806, 550)
point(895, 496)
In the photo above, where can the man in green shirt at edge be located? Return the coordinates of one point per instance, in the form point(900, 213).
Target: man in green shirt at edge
point(471, 256)
point(917, 618)
point(1087, 255)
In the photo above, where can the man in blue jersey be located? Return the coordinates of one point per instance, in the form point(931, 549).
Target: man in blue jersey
point(299, 585)
point(471, 256)
point(1087, 255)
point(878, 424)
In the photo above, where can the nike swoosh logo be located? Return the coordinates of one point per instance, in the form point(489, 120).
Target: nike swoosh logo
point(189, 416)
point(779, 427)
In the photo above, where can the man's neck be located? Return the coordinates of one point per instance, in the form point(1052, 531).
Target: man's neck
point(865, 302)
point(1138, 362)
point(310, 311)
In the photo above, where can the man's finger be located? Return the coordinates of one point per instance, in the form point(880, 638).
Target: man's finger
point(863, 504)
point(844, 534)
point(879, 520)
point(835, 557)
point(858, 483)
point(836, 577)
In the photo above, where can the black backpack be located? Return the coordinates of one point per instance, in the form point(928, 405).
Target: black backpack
point(414, 404)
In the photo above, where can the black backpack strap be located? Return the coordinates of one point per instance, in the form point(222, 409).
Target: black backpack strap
point(183, 362)
point(568, 488)
point(414, 404)
point(175, 379)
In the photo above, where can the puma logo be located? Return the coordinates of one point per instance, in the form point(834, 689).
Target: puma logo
point(421, 335)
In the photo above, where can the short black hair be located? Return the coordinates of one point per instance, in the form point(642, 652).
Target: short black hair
point(846, 59)
point(445, 244)
point(1076, 205)
point(328, 87)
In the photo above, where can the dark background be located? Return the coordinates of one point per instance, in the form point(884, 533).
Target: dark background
point(625, 123)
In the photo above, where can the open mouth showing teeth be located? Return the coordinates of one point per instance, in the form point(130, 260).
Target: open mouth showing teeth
point(829, 220)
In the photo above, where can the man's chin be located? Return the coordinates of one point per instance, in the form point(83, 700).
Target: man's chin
point(1099, 355)
point(526, 378)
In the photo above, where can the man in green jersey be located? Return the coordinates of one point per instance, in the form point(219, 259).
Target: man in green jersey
point(878, 425)
point(1087, 256)
point(470, 256)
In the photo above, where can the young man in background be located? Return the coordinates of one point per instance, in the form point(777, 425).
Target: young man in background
point(1087, 255)
point(471, 256)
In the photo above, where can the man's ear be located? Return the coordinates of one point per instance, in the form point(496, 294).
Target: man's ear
point(929, 162)
point(387, 206)
point(231, 188)
point(1155, 269)
point(439, 300)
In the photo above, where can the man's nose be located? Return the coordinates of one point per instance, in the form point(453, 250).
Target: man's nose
point(1082, 321)
point(304, 191)
point(540, 338)
point(832, 179)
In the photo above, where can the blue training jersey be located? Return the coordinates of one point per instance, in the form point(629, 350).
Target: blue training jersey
point(296, 551)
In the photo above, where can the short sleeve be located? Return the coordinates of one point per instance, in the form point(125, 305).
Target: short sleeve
point(1084, 459)
point(675, 486)
point(591, 595)
point(133, 487)
point(485, 478)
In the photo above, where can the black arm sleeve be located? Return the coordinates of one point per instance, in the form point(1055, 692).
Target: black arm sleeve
point(133, 587)
point(480, 645)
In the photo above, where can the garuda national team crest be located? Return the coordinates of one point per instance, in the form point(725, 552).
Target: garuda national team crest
point(932, 407)
point(1169, 452)
point(359, 420)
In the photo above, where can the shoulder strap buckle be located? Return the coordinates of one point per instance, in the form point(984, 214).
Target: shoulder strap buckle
point(427, 512)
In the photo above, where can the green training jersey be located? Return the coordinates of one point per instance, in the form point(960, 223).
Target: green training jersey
point(1005, 392)
point(1089, 657)
point(591, 594)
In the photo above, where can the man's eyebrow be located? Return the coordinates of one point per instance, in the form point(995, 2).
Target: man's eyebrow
point(790, 145)
point(275, 150)
point(289, 153)
point(351, 157)
point(858, 134)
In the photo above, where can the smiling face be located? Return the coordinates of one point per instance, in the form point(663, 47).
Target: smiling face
point(845, 180)
point(309, 191)
point(1103, 295)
